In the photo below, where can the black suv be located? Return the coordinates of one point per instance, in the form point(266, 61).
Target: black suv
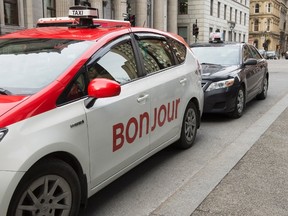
point(233, 75)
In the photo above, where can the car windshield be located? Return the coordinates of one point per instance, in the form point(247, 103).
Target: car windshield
point(222, 55)
point(28, 65)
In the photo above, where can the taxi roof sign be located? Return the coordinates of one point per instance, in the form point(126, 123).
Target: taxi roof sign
point(83, 12)
point(216, 37)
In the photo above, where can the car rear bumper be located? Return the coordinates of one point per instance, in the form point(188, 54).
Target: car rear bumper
point(220, 100)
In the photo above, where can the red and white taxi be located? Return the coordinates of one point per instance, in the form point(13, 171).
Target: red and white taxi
point(81, 105)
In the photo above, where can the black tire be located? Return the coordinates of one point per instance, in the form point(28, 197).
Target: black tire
point(264, 91)
point(50, 187)
point(189, 127)
point(239, 104)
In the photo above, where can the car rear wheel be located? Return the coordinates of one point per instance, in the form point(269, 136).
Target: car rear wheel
point(49, 188)
point(239, 104)
point(189, 127)
point(263, 94)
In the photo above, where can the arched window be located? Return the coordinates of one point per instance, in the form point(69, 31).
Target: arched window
point(257, 8)
point(256, 25)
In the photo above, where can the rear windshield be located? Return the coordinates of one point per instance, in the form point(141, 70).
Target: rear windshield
point(28, 65)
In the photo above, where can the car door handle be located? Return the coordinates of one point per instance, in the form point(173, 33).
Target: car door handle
point(142, 98)
point(183, 81)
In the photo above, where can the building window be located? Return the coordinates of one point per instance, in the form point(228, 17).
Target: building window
point(211, 7)
point(218, 9)
point(240, 18)
point(256, 25)
point(11, 12)
point(257, 8)
point(268, 25)
point(235, 16)
point(225, 11)
point(269, 6)
point(183, 32)
point(51, 8)
point(183, 7)
point(244, 19)
point(230, 13)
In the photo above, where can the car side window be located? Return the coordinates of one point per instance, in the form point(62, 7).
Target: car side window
point(255, 53)
point(179, 50)
point(75, 90)
point(246, 53)
point(156, 53)
point(117, 64)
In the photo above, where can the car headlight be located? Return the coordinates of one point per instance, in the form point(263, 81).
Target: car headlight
point(3, 132)
point(220, 84)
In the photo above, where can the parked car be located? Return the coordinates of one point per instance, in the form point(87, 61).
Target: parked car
point(263, 53)
point(286, 55)
point(271, 55)
point(233, 75)
point(80, 105)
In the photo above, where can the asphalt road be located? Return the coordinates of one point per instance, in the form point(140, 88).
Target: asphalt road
point(176, 182)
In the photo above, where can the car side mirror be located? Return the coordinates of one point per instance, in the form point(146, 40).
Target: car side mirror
point(250, 61)
point(103, 88)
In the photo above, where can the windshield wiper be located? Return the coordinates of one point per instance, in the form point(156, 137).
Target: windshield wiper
point(5, 92)
point(205, 63)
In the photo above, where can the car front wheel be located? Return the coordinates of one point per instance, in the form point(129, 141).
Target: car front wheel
point(189, 127)
point(239, 104)
point(49, 188)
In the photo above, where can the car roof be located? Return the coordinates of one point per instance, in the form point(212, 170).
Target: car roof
point(65, 33)
point(91, 34)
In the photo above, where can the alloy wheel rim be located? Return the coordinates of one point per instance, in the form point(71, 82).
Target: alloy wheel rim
point(49, 195)
point(240, 101)
point(190, 125)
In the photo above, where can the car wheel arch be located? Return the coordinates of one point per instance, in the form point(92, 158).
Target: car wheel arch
point(197, 104)
point(75, 164)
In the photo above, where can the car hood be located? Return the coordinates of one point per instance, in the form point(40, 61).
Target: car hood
point(9, 102)
point(216, 70)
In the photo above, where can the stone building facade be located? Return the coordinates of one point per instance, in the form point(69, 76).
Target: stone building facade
point(231, 17)
point(178, 16)
point(268, 25)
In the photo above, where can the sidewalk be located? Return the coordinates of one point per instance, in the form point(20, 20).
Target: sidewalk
point(257, 184)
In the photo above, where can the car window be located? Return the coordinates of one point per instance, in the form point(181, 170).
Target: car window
point(255, 53)
point(246, 53)
point(179, 50)
point(118, 63)
point(156, 53)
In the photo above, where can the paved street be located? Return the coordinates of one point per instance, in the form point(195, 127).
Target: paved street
point(213, 177)
point(257, 185)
